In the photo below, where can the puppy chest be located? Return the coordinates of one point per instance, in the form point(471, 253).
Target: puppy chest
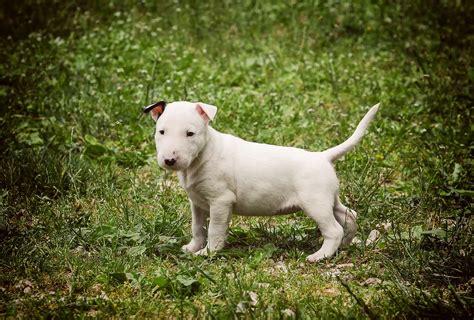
point(200, 200)
point(203, 190)
point(204, 193)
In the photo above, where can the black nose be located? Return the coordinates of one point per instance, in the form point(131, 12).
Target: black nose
point(170, 162)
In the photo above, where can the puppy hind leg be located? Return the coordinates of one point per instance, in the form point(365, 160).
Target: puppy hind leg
point(322, 213)
point(347, 219)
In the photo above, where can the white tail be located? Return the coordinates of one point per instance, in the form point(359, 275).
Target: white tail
point(338, 151)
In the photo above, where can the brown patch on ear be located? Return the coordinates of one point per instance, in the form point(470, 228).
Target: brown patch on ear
point(155, 109)
point(156, 113)
point(202, 113)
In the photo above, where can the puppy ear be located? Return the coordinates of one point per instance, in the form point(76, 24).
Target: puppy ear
point(206, 111)
point(155, 109)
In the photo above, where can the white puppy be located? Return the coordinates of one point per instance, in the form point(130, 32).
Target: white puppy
point(223, 174)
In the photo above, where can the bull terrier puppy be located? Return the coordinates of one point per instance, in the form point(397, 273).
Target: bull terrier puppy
point(224, 175)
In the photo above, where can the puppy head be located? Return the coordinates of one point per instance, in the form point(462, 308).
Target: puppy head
point(181, 131)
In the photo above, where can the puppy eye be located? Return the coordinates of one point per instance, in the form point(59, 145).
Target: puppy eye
point(162, 132)
point(189, 134)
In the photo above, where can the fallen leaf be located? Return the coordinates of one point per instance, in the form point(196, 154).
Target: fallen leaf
point(240, 307)
point(371, 281)
point(288, 313)
point(253, 298)
point(373, 236)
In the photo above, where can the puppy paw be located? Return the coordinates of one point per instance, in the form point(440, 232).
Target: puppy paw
point(188, 249)
point(210, 248)
point(192, 247)
point(318, 256)
point(203, 252)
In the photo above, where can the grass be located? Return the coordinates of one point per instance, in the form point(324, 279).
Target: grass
point(91, 227)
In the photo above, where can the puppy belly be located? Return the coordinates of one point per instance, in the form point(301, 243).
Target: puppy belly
point(264, 208)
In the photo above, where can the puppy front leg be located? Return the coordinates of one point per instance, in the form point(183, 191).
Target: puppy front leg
point(199, 237)
point(220, 215)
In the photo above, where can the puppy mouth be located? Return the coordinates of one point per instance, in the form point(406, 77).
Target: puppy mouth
point(171, 168)
point(177, 166)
